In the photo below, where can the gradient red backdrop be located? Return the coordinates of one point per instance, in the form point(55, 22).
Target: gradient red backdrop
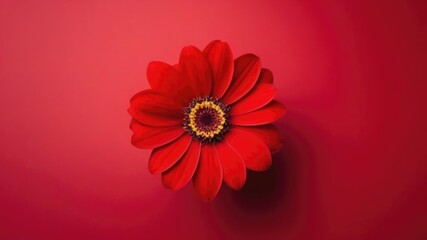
point(351, 73)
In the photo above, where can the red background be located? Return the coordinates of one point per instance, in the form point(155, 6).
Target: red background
point(351, 73)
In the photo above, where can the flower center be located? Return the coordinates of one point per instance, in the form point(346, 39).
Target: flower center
point(206, 119)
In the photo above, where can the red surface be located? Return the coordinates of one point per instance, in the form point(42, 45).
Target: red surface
point(351, 73)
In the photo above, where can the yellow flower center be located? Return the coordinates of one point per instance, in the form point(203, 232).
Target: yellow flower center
point(206, 119)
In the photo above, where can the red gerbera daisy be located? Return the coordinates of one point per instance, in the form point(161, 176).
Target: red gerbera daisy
point(208, 118)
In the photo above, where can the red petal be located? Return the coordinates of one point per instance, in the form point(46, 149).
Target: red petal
point(208, 178)
point(253, 151)
point(246, 72)
point(161, 76)
point(257, 98)
point(166, 79)
point(164, 157)
point(266, 76)
point(148, 137)
point(220, 58)
point(179, 175)
point(155, 109)
point(268, 114)
point(269, 134)
point(232, 165)
point(195, 71)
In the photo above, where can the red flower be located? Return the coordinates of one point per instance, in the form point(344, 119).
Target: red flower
point(208, 118)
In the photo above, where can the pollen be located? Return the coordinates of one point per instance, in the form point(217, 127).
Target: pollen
point(206, 119)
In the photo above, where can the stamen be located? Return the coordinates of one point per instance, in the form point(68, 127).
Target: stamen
point(206, 119)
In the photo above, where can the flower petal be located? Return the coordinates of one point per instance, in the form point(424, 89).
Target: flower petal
point(232, 165)
point(162, 76)
point(164, 157)
point(220, 58)
point(155, 109)
point(253, 151)
point(258, 97)
point(208, 177)
point(195, 71)
point(148, 137)
point(268, 114)
point(246, 72)
point(167, 80)
point(181, 173)
point(266, 76)
point(269, 134)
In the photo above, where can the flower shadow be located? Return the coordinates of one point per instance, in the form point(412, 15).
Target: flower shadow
point(277, 199)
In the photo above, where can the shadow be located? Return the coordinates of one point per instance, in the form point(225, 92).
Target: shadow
point(277, 199)
point(265, 190)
